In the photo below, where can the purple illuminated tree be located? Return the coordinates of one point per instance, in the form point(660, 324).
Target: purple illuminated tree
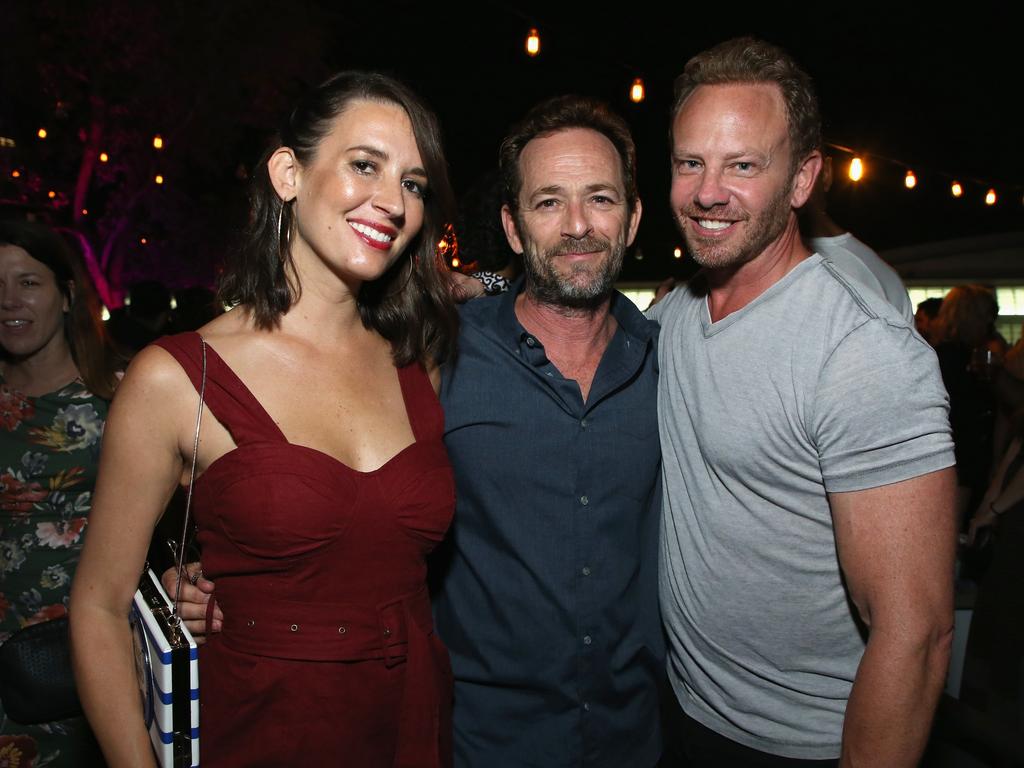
point(104, 80)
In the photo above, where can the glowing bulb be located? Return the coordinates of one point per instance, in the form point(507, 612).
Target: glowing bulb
point(158, 142)
point(678, 253)
point(104, 314)
point(533, 43)
point(456, 262)
point(16, 174)
point(911, 180)
point(636, 93)
point(104, 157)
point(85, 211)
point(158, 179)
point(143, 240)
point(41, 133)
point(990, 197)
point(856, 169)
point(956, 189)
point(51, 194)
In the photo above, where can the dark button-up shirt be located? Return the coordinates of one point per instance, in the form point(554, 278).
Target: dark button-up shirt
point(547, 594)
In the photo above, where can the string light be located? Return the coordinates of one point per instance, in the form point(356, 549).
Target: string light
point(51, 194)
point(636, 93)
point(956, 189)
point(158, 179)
point(990, 197)
point(533, 43)
point(143, 240)
point(856, 169)
point(456, 263)
point(677, 253)
point(104, 157)
point(158, 142)
point(16, 173)
point(41, 133)
point(85, 211)
point(911, 180)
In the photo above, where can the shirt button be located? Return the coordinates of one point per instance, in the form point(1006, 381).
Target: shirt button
point(586, 570)
point(586, 706)
point(584, 500)
point(583, 423)
point(587, 640)
point(530, 341)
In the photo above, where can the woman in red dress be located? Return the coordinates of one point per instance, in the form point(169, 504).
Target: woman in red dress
point(322, 483)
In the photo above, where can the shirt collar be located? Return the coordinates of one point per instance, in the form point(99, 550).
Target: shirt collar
point(628, 317)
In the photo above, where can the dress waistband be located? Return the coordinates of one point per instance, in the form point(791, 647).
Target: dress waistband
point(287, 629)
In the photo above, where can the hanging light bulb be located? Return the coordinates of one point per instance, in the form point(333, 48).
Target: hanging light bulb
point(15, 173)
point(158, 179)
point(911, 180)
point(41, 133)
point(158, 142)
point(533, 43)
point(456, 263)
point(856, 169)
point(51, 194)
point(104, 157)
point(956, 189)
point(990, 197)
point(677, 253)
point(636, 93)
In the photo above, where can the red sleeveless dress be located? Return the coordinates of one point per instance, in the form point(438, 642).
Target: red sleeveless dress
point(328, 655)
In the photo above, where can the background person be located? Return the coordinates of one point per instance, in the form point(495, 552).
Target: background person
point(57, 374)
point(853, 257)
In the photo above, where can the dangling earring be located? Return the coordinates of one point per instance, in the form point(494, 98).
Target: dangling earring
point(288, 234)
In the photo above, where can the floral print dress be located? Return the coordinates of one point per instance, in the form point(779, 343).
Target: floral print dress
point(49, 452)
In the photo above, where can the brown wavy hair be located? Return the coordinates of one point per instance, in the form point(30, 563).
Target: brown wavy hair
point(84, 331)
point(563, 113)
point(411, 304)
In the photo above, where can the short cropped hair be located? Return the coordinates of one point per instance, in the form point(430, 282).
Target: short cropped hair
point(747, 60)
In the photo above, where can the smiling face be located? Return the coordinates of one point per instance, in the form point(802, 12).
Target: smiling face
point(733, 183)
point(360, 201)
point(32, 305)
point(574, 222)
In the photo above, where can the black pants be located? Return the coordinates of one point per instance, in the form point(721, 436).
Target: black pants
point(688, 744)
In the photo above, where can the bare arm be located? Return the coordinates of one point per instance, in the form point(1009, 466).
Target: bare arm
point(896, 546)
point(999, 498)
point(140, 466)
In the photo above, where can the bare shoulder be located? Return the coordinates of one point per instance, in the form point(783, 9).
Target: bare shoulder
point(154, 368)
point(234, 334)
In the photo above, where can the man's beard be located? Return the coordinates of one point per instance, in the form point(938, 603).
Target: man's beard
point(586, 284)
point(764, 228)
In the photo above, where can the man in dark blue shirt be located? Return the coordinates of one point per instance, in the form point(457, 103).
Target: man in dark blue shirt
point(547, 592)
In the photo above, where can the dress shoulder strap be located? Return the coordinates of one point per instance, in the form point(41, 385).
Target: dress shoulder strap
point(421, 404)
point(227, 398)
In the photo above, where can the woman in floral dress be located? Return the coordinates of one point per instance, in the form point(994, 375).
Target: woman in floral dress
point(56, 378)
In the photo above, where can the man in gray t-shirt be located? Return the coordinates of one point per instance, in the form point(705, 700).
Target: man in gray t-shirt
point(808, 539)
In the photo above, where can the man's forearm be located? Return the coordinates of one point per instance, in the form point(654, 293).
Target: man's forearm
point(894, 696)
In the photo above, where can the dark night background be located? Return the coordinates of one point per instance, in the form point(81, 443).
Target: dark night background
point(935, 93)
